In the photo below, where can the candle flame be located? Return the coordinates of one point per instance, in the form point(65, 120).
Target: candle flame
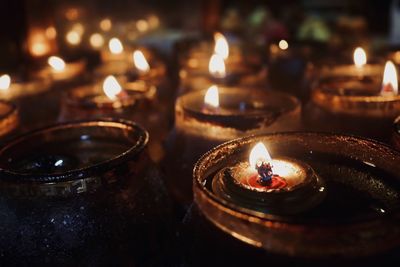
point(216, 66)
point(96, 40)
point(140, 62)
point(38, 43)
point(389, 84)
point(283, 44)
point(211, 97)
point(56, 63)
point(259, 154)
point(73, 37)
point(360, 58)
point(5, 81)
point(111, 87)
point(221, 45)
point(105, 24)
point(115, 46)
point(142, 25)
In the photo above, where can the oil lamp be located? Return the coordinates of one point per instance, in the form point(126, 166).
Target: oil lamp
point(314, 189)
point(206, 118)
point(355, 108)
point(75, 184)
point(60, 71)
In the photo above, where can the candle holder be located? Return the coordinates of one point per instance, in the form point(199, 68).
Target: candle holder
point(241, 112)
point(352, 107)
point(354, 196)
point(81, 193)
point(9, 119)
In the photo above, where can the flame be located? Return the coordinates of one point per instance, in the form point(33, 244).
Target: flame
point(221, 45)
point(56, 63)
point(73, 37)
point(389, 84)
point(140, 62)
point(258, 154)
point(111, 87)
point(216, 66)
point(51, 32)
point(283, 44)
point(360, 58)
point(96, 40)
point(38, 43)
point(211, 98)
point(142, 25)
point(105, 24)
point(5, 81)
point(115, 46)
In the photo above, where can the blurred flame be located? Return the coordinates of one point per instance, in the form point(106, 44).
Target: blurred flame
point(73, 37)
point(96, 40)
point(5, 81)
point(221, 45)
point(56, 63)
point(115, 46)
point(259, 154)
point(216, 66)
point(211, 97)
point(72, 13)
point(283, 44)
point(142, 25)
point(153, 21)
point(140, 62)
point(38, 43)
point(105, 24)
point(51, 32)
point(389, 84)
point(78, 27)
point(111, 87)
point(360, 58)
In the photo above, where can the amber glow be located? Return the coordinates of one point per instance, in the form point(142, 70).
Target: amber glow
point(389, 84)
point(153, 21)
point(105, 25)
point(38, 43)
point(283, 44)
point(259, 154)
point(140, 62)
point(73, 37)
point(142, 25)
point(96, 40)
point(221, 45)
point(111, 87)
point(216, 66)
point(51, 32)
point(360, 58)
point(211, 98)
point(115, 46)
point(5, 81)
point(56, 63)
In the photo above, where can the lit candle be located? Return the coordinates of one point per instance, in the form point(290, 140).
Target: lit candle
point(140, 62)
point(13, 87)
point(59, 70)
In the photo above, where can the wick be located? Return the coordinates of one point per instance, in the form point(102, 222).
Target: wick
point(265, 174)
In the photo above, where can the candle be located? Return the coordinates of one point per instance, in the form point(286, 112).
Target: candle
point(355, 107)
point(61, 71)
point(322, 186)
point(206, 118)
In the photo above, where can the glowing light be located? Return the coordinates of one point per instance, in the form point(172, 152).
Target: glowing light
point(111, 87)
point(5, 81)
point(96, 40)
point(211, 98)
point(389, 84)
point(359, 57)
point(283, 44)
point(154, 21)
point(73, 37)
point(221, 45)
point(56, 63)
point(142, 25)
point(72, 14)
point(115, 46)
point(51, 32)
point(105, 24)
point(38, 43)
point(140, 62)
point(216, 66)
point(259, 154)
point(78, 28)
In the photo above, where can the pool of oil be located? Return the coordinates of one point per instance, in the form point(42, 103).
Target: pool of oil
point(355, 190)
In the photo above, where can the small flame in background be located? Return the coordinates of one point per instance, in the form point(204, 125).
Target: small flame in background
point(211, 98)
point(258, 154)
point(389, 84)
point(221, 45)
point(111, 87)
point(105, 24)
point(359, 57)
point(216, 66)
point(96, 40)
point(56, 63)
point(115, 46)
point(5, 82)
point(283, 44)
point(140, 62)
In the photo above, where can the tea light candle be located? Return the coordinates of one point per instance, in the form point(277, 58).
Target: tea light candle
point(59, 70)
point(14, 87)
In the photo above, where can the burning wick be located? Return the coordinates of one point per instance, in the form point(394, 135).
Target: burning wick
point(211, 98)
point(389, 84)
point(261, 160)
point(359, 57)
